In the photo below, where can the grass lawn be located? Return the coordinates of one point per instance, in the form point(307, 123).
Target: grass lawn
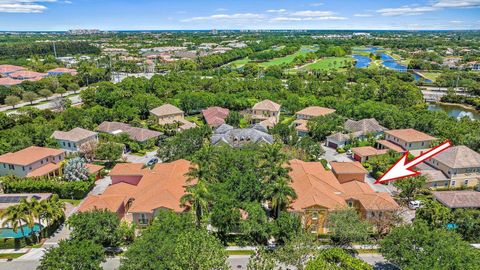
point(240, 62)
point(195, 119)
point(72, 202)
point(240, 252)
point(431, 75)
point(328, 63)
point(10, 256)
point(288, 119)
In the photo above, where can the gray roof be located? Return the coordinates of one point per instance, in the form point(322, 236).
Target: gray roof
point(458, 157)
point(363, 126)
point(431, 173)
point(237, 137)
point(339, 137)
point(458, 199)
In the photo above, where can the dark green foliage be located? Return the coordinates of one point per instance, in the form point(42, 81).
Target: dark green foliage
point(183, 144)
point(73, 254)
point(99, 226)
point(336, 259)
point(65, 190)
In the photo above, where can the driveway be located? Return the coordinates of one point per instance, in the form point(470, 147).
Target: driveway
point(140, 159)
point(332, 155)
point(101, 185)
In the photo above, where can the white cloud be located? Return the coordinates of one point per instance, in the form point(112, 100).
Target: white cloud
point(433, 6)
point(363, 15)
point(23, 6)
point(456, 21)
point(282, 10)
point(226, 17)
point(298, 19)
point(316, 4)
point(312, 13)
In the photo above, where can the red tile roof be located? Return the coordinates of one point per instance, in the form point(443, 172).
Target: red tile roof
point(366, 151)
point(125, 169)
point(9, 81)
point(29, 155)
point(10, 68)
point(26, 74)
point(44, 170)
point(315, 111)
point(215, 116)
point(347, 167)
point(93, 168)
point(410, 135)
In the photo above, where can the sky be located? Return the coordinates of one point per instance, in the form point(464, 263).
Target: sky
point(58, 15)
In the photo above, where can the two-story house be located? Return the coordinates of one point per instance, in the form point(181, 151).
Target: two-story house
point(169, 114)
point(33, 161)
point(306, 114)
point(414, 141)
point(459, 164)
point(72, 140)
point(266, 112)
point(359, 130)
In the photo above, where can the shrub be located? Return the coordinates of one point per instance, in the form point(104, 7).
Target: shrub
point(66, 190)
point(340, 150)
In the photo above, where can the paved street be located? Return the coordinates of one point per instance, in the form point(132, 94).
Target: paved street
point(377, 261)
point(238, 261)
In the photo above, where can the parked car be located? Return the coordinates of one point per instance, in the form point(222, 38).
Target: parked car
point(414, 204)
point(349, 152)
point(152, 161)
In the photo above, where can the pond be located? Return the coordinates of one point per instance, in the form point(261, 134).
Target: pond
point(418, 78)
point(362, 61)
point(9, 233)
point(455, 110)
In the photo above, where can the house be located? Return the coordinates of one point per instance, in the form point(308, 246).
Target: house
point(319, 193)
point(238, 137)
point(72, 140)
point(459, 165)
point(141, 135)
point(27, 75)
point(306, 114)
point(215, 116)
point(458, 199)
point(410, 140)
point(348, 171)
point(32, 161)
point(6, 70)
point(359, 130)
point(138, 202)
point(9, 81)
point(266, 112)
point(364, 153)
point(94, 170)
point(169, 114)
point(60, 71)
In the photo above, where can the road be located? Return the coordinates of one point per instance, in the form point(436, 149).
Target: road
point(42, 106)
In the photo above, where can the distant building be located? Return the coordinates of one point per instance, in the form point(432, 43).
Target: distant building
point(169, 114)
point(238, 137)
point(306, 114)
point(27, 75)
point(72, 140)
point(355, 130)
point(141, 135)
point(9, 81)
point(33, 161)
point(215, 116)
point(6, 70)
point(409, 140)
point(60, 71)
point(266, 112)
point(84, 31)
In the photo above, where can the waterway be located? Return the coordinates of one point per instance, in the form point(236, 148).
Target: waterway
point(455, 110)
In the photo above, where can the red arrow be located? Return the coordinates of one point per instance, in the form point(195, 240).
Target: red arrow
point(402, 168)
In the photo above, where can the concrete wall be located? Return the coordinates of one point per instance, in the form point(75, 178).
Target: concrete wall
point(170, 119)
point(75, 146)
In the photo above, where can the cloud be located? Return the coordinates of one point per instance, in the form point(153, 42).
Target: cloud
point(410, 10)
point(23, 6)
point(282, 10)
point(298, 19)
point(312, 13)
point(456, 21)
point(362, 15)
point(226, 17)
point(316, 4)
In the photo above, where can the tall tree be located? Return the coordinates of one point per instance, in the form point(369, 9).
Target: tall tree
point(197, 197)
point(73, 254)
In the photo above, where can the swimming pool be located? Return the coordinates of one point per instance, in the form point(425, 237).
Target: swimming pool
point(9, 233)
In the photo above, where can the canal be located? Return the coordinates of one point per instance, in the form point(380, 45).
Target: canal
point(456, 111)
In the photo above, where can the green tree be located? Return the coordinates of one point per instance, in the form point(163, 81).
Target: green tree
point(99, 226)
point(12, 101)
point(410, 186)
point(336, 259)
point(286, 226)
point(73, 87)
point(73, 254)
point(261, 260)
point(434, 214)
point(322, 126)
point(109, 151)
point(233, 119)
point(418, 246)
point(45, 93)
point(30, 97)
point(346, 227)
point(14, 217)
point(197, 197)
point(61, 91)
point(298, 250)
point(280, 194)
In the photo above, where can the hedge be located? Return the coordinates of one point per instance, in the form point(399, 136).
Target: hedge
point(66, 190)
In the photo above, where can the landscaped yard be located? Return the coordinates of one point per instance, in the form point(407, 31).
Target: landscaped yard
point(431, 75)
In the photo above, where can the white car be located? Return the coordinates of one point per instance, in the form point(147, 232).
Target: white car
point(414, 204)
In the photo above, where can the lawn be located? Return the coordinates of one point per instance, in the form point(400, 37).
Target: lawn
point(431, 75)
point(328, 63)
point(10, 256)
point(240, 62)
point(282, 60)
point(72, 202)
point(240, 252)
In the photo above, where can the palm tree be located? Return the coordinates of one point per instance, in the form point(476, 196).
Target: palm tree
point(203, 169)
point(197, 197)
point(274, 165)
point(29, 211)
point(13, 216)
point(280, 194)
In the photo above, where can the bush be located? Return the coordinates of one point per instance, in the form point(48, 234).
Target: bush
point(66, 190)
point(340, 150)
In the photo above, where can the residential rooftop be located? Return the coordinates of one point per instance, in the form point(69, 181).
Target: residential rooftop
point(29, 155)
point(410, 135)
point(458, 199)
point(459, 157)
point(75, 135)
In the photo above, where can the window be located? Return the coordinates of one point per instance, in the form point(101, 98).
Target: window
point(410, 145)
point(314, 215)
point(4, 166)
point(313, 228)
point(453, 183)
point(69, 145)
point(423, 143)
point(41, 161)
point(350, 204)
point(63, 143)
point(23, 168)
point(466, 182)
point(11, 167)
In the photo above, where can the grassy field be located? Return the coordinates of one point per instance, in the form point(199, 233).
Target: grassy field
point(276, 61)
point(328, 63)
point(431, 75)
point(240, 62)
